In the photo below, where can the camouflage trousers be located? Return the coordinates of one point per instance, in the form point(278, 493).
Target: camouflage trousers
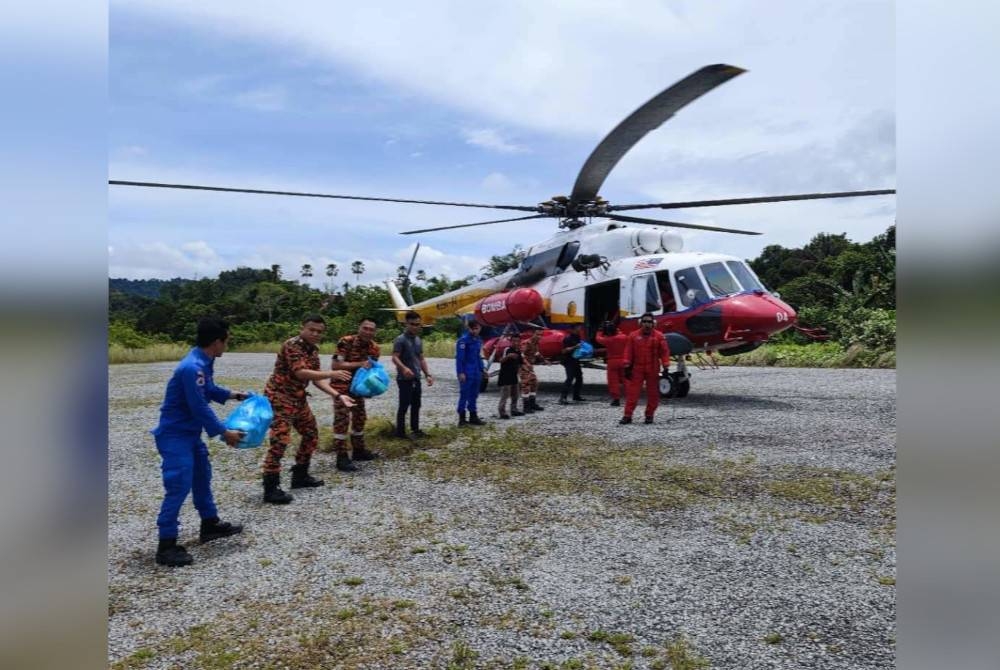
point(290, 413)
point(352, 419)
point(529, 380)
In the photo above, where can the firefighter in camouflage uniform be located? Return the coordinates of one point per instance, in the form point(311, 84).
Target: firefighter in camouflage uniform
point(353, 352)
point(297, 365)
point(526, 375)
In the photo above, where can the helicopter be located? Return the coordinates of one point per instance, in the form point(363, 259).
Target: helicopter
point(589, 274)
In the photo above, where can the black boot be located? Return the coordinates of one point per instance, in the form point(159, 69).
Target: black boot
point(534, 404)
point(362, 454)
point(474, 419)
point(272, 490)
point(580, 398)
point(213, 529)
point(344, 463)
point(302, 479)
point(616, 402)
point(461, 419)
point(171, 554)
point(514, 412)
point(528, 405)
point(625, 419)
point(563, 401)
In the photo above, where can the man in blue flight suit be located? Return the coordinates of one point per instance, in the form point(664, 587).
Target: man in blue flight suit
point(184, 414)
point(469, 366)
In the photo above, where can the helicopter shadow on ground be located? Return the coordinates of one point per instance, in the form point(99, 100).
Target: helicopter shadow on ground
point(697, 400)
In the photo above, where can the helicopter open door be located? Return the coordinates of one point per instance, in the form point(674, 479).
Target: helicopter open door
point(602, 302)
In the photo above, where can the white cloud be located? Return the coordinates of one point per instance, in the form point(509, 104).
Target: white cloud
point(497, 181)
point(489, 138)
point(263, 99)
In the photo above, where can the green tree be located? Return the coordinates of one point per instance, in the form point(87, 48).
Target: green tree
point(268, 296)
point(500, 264)
point(358, 269)
point(306, 271)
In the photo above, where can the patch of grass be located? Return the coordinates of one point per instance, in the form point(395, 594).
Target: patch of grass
point(815, 355)
point(773, 638)
point(620, 642)
point(118, 354)
point(138, 659)
point(463, 657)
point(334, 638)
point(129, 404)
point(265, 562)
point(834, 491)
point(742, 530)
point(623, 580)
point(636, 480)
point(681, 656)
point(567, 635)
point(418, 550)
point(886, 580)
point(353, 581)
point(571, 664)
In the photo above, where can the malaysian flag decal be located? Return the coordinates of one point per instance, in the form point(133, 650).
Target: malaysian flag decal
point(647, 263)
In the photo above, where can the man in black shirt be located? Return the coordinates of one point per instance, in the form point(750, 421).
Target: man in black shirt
point(574, 373)
point(408, 356)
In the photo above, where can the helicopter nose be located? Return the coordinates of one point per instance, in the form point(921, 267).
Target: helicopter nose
point(757, 314)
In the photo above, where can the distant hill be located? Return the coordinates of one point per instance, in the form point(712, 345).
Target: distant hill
point(147, 288)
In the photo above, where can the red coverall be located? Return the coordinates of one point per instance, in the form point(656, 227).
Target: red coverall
point(645, 354)
point(615, 345)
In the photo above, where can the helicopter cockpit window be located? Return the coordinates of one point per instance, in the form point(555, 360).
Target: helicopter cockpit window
point(720, 282)
point(689, 285)
point(744, 276)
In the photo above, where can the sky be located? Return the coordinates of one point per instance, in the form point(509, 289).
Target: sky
point(498, 103)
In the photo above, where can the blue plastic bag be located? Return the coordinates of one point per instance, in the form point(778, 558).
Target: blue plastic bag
point(252, 417)
point(584, 352)
point(370, 382)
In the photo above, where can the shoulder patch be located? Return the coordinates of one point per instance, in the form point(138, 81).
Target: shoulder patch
point(200, 379)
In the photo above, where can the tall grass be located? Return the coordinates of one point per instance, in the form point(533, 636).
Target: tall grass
point(151, 354)
point(818, 355)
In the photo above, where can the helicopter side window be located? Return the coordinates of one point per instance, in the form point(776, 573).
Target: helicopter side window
point(645, 295)
point(666, 292)
point(692, 291)
point(719, 280)
point(744, 276)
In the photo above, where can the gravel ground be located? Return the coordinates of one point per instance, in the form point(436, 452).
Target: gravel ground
point(392, 568)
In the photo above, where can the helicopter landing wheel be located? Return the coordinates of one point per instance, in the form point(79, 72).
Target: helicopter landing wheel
point(667, 386)
point(675, 385)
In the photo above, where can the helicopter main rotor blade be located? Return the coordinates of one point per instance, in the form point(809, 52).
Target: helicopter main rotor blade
point(227, 189)
point(469, 225)
point(648, 117)
point(750, 201)
point(674, 224)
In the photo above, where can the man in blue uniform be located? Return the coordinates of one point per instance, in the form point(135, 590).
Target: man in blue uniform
point(184, 414)
point(469, 366)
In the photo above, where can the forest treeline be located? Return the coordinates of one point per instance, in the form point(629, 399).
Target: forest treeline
point(844, 290)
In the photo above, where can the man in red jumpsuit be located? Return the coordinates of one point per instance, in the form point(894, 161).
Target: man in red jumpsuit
point(646, 351)
point(614, 343)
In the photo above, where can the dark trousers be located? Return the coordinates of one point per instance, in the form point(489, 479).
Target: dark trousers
point(409, 399)
point(574, 378)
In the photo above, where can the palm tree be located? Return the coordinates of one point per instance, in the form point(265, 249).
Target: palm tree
point(276, 272)
point(306, 271)
point(421, 276)
point(332, 270)
point(358, 268)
